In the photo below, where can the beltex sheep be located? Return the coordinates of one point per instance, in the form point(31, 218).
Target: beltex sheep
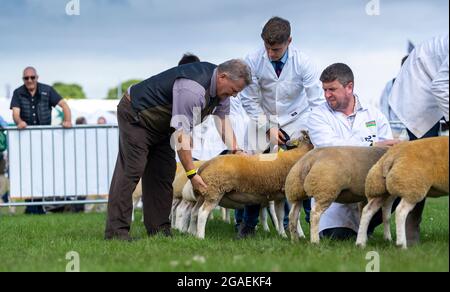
point(236, 180)
point(331, 174)
point(410, 170)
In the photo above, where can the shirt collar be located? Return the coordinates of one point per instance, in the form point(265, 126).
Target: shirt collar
point(283, 59)
point(213, 86)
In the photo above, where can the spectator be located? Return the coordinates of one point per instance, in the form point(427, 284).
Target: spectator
point(31, 105)
point(101, 121)
point(81, 121)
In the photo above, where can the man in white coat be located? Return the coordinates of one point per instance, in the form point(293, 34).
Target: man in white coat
point(345, 119)
point(419, 98)
point(285, 85)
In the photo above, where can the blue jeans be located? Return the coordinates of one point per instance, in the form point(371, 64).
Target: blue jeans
point(249, 215)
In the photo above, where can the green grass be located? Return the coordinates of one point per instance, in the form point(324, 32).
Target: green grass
point(40, 243)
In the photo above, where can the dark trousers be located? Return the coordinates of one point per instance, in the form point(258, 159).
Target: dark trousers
point(140, 157)
point(250, 214)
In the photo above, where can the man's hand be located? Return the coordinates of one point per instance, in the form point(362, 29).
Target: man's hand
point(387, 142)
point(198, 183)
point(276, 137)
point(22, 125)
point(67, 124)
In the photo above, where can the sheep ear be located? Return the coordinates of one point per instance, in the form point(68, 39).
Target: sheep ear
point(305, 137)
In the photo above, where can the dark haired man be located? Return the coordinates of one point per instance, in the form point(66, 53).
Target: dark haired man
point(345, 119)
point(285, 85)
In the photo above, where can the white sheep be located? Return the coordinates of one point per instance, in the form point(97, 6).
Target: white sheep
point(235, 180)
point(410, 170)
point(331, 174)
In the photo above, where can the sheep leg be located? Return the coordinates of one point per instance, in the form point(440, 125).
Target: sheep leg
point(181, 214)
point(194, 216)
point(226, 215)
point(401, 213)
point(273, 215)
point(369, 210)
point(173, 213)
point(184, 224)
point(294, 225)
point(387, 209)
point(135, 204)
point(263, 218)
point(279, 210)
point(316, 213)
point(203, 214)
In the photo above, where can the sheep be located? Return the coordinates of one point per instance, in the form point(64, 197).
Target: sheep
point(235, 181)
point(189, 199)
point(181, 208)
point(331, 174)
point(410, 170)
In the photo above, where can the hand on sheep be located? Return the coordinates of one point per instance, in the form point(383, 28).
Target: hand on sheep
point(198, 183)
point(276, 137)
point(387, 142)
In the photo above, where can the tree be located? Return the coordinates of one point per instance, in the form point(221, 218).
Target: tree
point(69, 91)
point(112, 93)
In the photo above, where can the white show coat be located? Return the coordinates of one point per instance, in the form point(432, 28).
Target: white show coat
point(331, 128)
point(284, 100)
point(420, 95)
point(397, 127)
point(207, 142)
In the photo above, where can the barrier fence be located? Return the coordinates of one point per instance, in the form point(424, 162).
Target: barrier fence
point(51, 165)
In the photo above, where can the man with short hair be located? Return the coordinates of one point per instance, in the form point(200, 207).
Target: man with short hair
point(32, 105)
point(32, 102)
point(165, 106)
point(285, 85)
point(345, 119)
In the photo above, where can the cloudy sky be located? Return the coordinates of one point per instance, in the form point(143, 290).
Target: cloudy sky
point(115, 40)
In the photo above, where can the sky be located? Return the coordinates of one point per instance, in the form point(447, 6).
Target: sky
point(115, 40)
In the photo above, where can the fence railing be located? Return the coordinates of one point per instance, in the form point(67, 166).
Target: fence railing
point(51, 165)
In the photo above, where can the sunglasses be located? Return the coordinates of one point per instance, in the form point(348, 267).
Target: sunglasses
point(26, 78)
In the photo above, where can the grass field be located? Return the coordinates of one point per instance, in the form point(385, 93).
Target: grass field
point(40, 243)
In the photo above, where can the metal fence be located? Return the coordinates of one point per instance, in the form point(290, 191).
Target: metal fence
point(50, 165)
